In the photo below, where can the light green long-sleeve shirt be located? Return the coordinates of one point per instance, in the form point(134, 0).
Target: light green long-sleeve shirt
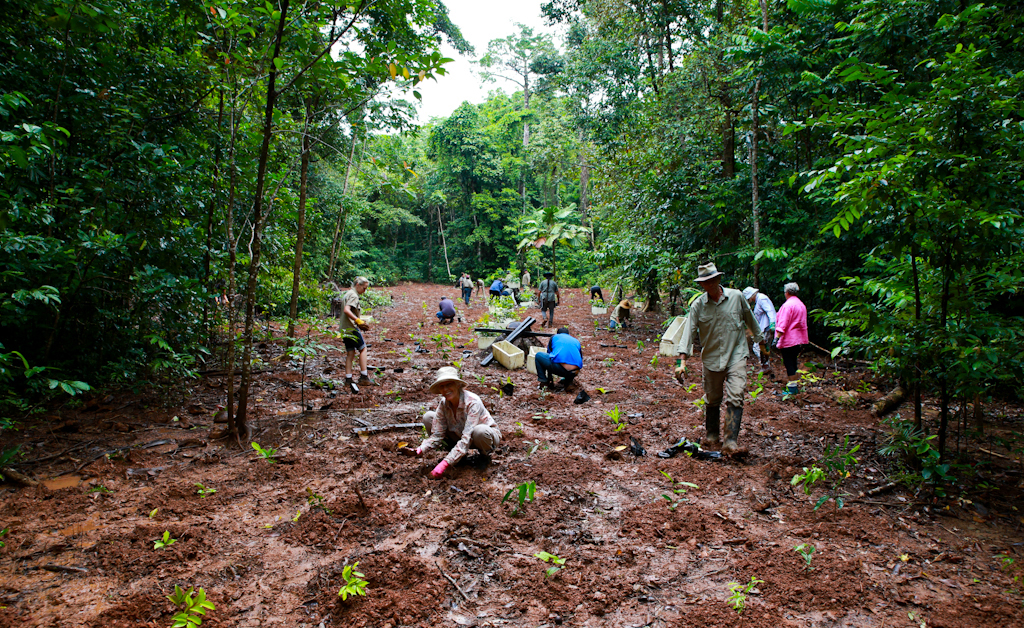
point(721, 328)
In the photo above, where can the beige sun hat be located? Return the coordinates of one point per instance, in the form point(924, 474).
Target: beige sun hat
point(707, 271)
point(446, 374)
point(625, 304)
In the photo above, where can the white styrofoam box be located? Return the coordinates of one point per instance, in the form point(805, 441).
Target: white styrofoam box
point(673, 335)
point(509, 355)
point(485, 341)
point(598, 310)
point(531, 360)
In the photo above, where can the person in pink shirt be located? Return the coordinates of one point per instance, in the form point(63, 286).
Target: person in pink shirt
point(791, 332)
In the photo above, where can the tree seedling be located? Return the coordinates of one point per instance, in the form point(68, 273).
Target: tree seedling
point(354, 583)
point(556, 563)
point(639, 346)
point(618, 421)
point(204, 491)
point(758, 387)
point(265, 453)
point(316, 500)
point(525, 493)
point(3, 533)
point(678, 488)
point(164, 541)
point(806, 551)
point(654, 361)
point(190, 609)
point(738, 598)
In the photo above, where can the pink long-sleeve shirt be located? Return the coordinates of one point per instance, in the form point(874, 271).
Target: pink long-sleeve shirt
point(791, 323)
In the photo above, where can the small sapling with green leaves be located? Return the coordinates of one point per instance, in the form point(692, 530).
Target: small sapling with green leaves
point(806, 551)
point(354, 583)
point(617, 420)
point(525, 492)
point(556, 563)
point(738, 598)
point(204, 491)
point(164, 541)
point(265, 453)
point(190, 609)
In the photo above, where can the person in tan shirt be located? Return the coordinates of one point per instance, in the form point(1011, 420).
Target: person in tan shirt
point(460, 418)
point(351, 326)
point(719, 319)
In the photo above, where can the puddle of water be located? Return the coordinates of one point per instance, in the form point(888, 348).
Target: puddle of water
point(66, 481)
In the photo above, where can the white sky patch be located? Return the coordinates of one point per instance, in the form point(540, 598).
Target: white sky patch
point(480, 22)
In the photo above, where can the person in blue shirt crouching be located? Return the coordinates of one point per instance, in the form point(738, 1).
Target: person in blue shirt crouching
point(563, 358)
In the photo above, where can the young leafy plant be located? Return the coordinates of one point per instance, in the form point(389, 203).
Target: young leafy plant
point(354, 583)
point(190, 609)
point(265, 453)
point(3, 533)
point(204, 491)
point(556, 563)
point(738, 598)
point(617, 420)
point(164, 541)
point(806, 551)
point(525, 491)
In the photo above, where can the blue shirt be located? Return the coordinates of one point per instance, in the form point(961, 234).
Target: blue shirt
point(447, 308)
point(497, 286)
point(564, 349)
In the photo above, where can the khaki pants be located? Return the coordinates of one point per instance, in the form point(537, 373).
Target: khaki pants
point(484, 438)
point(730, 384)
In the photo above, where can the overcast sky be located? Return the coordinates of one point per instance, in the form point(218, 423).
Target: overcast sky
point(480, 22)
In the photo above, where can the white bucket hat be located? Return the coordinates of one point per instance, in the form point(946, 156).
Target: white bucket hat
point(749, 292)
point(446, 374)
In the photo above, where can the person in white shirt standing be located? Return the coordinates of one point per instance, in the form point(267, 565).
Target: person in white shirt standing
point(764, 314)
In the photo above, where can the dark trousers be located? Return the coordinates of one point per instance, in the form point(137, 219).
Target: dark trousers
point(467, 294)
point(596, 291)
point(546, 369)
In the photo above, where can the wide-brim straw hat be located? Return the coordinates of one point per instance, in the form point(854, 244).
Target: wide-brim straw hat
point(446, 374)
point(749, 292)
point(626, 305)
point(706, 271)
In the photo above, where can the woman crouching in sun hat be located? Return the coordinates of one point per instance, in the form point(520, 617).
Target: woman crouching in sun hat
point(460, 418)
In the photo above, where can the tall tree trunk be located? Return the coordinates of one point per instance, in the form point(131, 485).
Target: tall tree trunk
point(754, 190)
point(917, 335)
point(232, 258)
point(728, 142)
point(440, 229)
point(257, 229)
point(343, 210)
point(944, 368)
point(430, 254)
point(214, 193)
point(300, 227)
point(585, 186)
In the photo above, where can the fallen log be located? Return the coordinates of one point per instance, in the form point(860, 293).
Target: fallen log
point(890, 402)
point(386, 428)
point(17, 477)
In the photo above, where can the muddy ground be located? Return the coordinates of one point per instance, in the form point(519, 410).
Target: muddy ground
point(269, 546)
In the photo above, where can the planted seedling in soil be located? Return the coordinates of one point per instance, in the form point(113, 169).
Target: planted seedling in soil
point(678, 488)
point(204, 491)
point(354, 583)
point(806, 551)
point(524, 493)
point(316, 500)
point(164, 541)
point(265, 453)
point(556, 563)
point(190, 609)
point(758, 387)
point(617, 420)
point(738, 598)
point(838, 463)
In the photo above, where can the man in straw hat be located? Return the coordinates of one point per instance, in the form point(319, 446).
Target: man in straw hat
point(718, 316)
point(460, 418)
point(620, 315)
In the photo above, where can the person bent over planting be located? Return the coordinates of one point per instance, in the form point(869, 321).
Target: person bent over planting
point(351, 327)
point(460, 418)
point(563, 358)
point(717, 319)
point(446, 311)
point(764, 314)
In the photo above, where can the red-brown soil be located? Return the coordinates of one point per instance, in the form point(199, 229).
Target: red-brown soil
point(891, 559)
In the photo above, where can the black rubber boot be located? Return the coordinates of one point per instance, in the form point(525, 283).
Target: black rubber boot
point(733, 418)
point(712, 422)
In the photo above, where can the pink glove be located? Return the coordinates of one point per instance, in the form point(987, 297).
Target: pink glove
point(419, 451)
point(439, 469)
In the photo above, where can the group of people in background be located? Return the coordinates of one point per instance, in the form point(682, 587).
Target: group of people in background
point(719, 320)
